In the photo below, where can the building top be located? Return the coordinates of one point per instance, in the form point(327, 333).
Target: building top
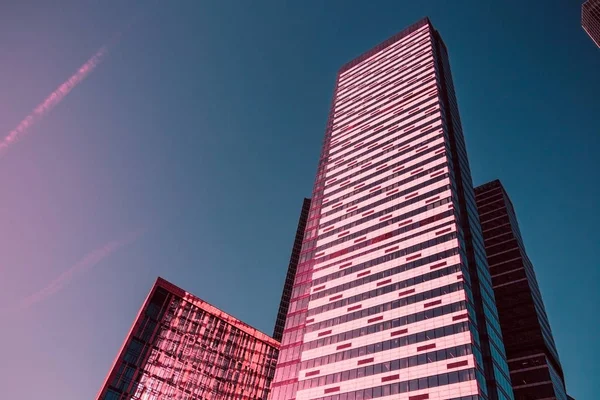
point(209, 308)
point(489, 185)
point(405, 32)
point(496, 183)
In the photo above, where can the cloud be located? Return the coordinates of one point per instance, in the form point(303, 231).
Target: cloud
point(83, 265)
point(53, 99)
point(57, 96)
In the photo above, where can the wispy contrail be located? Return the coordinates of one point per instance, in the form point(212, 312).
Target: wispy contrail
point(87, 262)
point(55, 97)
point(65, 88)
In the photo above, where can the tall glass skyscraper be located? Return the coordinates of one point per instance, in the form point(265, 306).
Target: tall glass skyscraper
point(535, 368)
point(392, 296)
point(181, 347)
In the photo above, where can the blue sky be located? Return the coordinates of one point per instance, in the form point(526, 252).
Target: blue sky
point(202, 129)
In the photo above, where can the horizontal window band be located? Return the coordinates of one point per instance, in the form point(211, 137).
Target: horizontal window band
point(386, 257)
point(390, 324)
point(389, 366)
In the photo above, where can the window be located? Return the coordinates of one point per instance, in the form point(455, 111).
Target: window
point(111, 395)
point(413, 385)
point(432, 381)
point(453, 377)
point(377, 391)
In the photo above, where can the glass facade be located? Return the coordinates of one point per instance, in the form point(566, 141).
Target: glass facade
point(535, 368)
point(590, 19)
point(392, 294)
point(181, 347)
point(284, 304)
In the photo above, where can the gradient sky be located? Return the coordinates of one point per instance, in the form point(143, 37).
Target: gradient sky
point(187, 153)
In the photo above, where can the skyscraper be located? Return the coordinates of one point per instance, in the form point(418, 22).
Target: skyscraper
point(590, 19)
point(392, 294)
point(291, 272)
point(535, 368)
point(181, 347)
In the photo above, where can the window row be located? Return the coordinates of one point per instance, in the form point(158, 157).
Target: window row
point(385, 236)
point(386, 178)
point(383, 326)
point(366, 330)
point(394, 76)
point(393, 271)
point(303, 284)
point(384, 51)
point(297, 319)
point(388, 257)
point(366, 230)
point(401, 341)
point(367, 245)
point(396, 118)
point(393, 115)
point(424, 80)
point(345, 93)
point(380, 290)
point(390, 118)
point(387, 199)
point(310, 255)
point(388, 366)
point(310, 244)
point(372, 90)
point(383, 224)
point(398, 197)
point(409, 76)
point(418, 124)
point(397, 52)
point(406, 386)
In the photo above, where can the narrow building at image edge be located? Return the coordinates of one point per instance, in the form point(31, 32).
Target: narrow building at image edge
point(535, 369)
point(590, 19)
point(392, 296)
point(181, 347)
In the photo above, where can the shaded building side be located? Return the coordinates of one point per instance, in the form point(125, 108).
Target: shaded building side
point(535, 368)
point(291, 272)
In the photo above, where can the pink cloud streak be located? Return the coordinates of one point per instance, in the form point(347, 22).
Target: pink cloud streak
point(83, 265)
point(54, 99)
point(63, 90)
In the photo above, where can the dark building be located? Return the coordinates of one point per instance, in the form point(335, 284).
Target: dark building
point(590, 19)
point(181, 347)
point(291, 272)
point(535, 368)
point(392, 294)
